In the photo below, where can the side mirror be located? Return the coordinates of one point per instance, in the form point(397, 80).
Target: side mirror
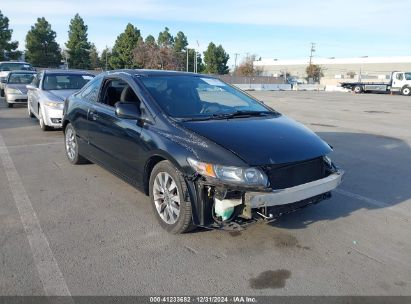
point(127, 110)
point(30, 87)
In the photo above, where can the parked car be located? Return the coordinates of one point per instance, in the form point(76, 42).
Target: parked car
point(7, 66)
point(48, 91)
point(15, 86)
point(205, 152)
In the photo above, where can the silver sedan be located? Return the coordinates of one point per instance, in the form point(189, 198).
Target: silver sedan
point(15, 86)
point(47, 92)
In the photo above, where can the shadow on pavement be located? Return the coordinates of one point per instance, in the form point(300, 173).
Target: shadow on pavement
point(376, 167)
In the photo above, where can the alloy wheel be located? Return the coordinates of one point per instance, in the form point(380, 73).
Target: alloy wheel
point(166, 198)
point(70, 144)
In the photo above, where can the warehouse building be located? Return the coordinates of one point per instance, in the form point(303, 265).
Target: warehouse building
point(338, 69)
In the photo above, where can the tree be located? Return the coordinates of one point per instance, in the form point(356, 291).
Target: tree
point(150, 40)
point(78, 47)
point(94, 59)
point(314, 72)
point(247, 68)
point(42, 50)
point(147, 54)
point(105, 59)
point(215, 59)
point(152, 56)
point(165, 39)
point(8, 49)
point(180, 42)
point(122, 55)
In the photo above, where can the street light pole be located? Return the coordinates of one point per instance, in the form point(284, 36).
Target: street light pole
point(187, 49)
point(106, 58)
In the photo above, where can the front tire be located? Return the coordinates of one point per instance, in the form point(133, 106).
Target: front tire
point(168, 195)
point(31, 115)
point(2, 93)
point(10, 105)
point(358, 89)
point(72, 146)
point(406, 91)
point(42, 124)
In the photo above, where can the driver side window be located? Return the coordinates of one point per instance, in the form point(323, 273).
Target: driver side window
point(115, 90)
point(399, 76)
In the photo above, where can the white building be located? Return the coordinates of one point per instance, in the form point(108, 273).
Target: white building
point(378, 68)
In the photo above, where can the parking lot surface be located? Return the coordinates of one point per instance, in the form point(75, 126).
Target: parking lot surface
point(80, 230)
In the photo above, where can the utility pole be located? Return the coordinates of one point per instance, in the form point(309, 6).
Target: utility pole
point(187, 59)
point(311, 58)
point(106, 58)
point(235, 61)
point(195, 61)
point(312, 51)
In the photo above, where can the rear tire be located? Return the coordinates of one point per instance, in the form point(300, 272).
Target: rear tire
point(406, 91)
point(1, 93)
point(72, 146)
point(10, 105)
point(168, 195)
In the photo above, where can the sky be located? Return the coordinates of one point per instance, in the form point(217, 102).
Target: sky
point(269, 29)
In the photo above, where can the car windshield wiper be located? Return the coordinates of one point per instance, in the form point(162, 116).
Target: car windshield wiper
point(231, 115)
point(242, 114)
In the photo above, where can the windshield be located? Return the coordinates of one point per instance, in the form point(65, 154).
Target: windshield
point(15, 66)
point(189, 97)
point(20, 78)
point(65, 81)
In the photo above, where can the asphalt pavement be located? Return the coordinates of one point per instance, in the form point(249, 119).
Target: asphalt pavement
point(79, 230)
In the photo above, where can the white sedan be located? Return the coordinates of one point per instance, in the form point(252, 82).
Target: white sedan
point(47, 92)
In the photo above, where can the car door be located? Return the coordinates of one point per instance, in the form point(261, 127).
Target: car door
point(33, 93)
point(116, 142)
point(398, 80)
point(82, 101)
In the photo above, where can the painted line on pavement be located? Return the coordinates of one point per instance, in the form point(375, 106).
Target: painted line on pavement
point(46, 264)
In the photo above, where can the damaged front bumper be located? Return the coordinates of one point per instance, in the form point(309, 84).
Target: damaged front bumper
point(293, 194)
point(252, 205)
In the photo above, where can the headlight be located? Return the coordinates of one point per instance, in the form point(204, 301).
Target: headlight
point(237, 175)
point(54, 105)
point(13, 91)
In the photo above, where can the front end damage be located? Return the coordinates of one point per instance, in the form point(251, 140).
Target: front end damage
point(218, 205)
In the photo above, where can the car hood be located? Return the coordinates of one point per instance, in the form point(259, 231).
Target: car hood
point(60, 95)
point(21, 87)
point(262, 141)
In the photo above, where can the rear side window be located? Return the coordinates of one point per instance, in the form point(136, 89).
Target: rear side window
point(91, 91)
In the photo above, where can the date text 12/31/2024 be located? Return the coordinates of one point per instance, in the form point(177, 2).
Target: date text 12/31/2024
point(203, 299)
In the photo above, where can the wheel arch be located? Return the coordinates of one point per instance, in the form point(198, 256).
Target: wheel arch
point(64, 125)
point(153, 160)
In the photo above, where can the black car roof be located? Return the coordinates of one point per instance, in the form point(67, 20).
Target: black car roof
point(148, 73)
point(75, 72)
